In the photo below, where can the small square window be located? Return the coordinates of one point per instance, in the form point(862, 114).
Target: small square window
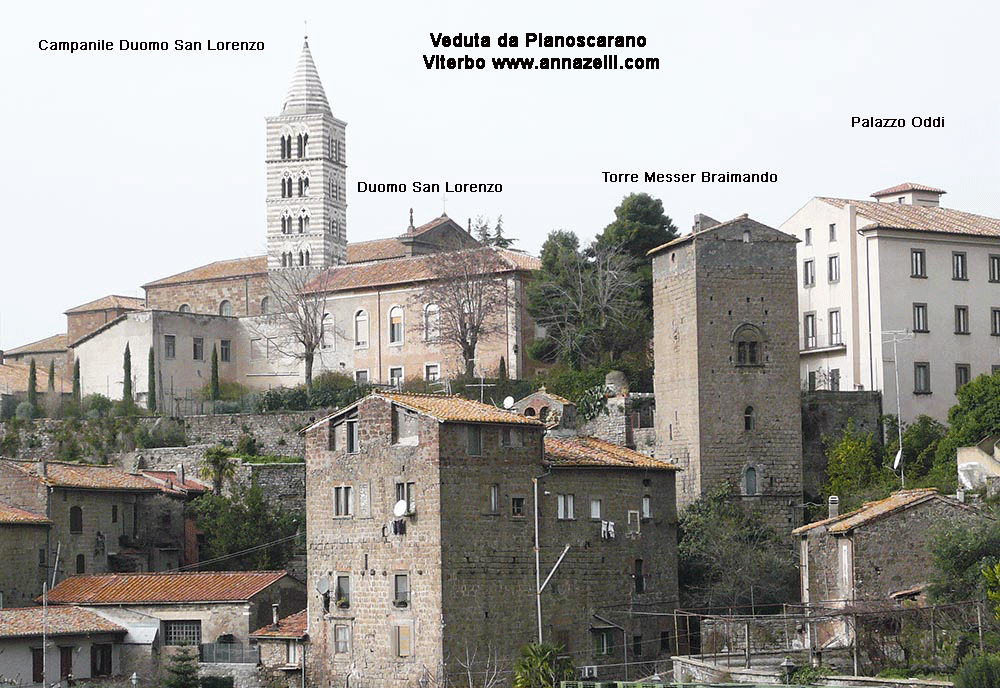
point(396, 377)
point(169, 346)
point(198, 349)
point(511, 437)
point(432, 372)
point(361, 377)
point(517, 507)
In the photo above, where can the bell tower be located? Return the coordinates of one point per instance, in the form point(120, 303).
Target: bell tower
point(306, 176)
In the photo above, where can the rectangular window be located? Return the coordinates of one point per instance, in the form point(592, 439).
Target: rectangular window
point(65, 662)
point(637, 646)
point(343, 501)
point(352, 436)
point(517, 507)
point(565, 507)
point(835, 379)
point(962, 375)
point(811, 384)
point(114, 513)
point(664, 641)
point(405, 493)
point(396, 326)
point(361, 377)
point(995, 322)
point(511, 437)
point(833, 269)
point(833, 232)
point(494, 498)
point(402, 641)
point(396, 377)
point(808, 273)
point(921, 378)
point(432, 372)
point(961, 320)
point(595, 508)
point(958, 266)
point(401, 590)
point(342, 593)
point(647, 506)
point(198, 349)
point(834, 320)
point(639, 577)
point(920, 317)
point(994, 268)
point(169, 346)
point(604, 640)
point(746, 353)
point(342, 639)
point(918, 263)
point(475, 439)
point(182, 632)
point(37, 663)
point(809, 331)
point(225, 347)
point(808, 234)
point(100, 659)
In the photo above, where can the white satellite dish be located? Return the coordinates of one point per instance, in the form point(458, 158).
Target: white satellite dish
point(399, 509)
point(508, 402)
point(323, 585)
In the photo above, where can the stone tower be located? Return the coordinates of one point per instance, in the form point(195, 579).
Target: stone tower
point(306, 177)
point(725, 319)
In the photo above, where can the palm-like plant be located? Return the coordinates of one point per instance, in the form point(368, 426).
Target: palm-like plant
point(541, 666)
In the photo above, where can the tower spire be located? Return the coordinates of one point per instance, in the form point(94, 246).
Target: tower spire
point(305, 94)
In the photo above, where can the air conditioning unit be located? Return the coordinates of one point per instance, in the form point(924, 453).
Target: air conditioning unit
point(589, 671)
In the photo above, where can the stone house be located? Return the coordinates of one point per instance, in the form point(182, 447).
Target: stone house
point(194, 608)
point(81, 645)
point(726, 380)
point(103, 519)
point(44, 351)
point(421, 520)
point(23, 539)
point(282, 646)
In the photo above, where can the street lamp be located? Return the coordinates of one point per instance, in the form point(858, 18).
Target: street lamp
point(134, 680)
point(788, 669)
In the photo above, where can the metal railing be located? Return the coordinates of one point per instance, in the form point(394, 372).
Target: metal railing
point(229, 653)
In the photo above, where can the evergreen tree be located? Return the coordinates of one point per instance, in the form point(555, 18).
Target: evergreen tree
point(33, 388)
point(182, 671)
point(498, 239)
point(127, 369)
point(76, 380)
point(151, 382)
point(52, 375)
point(215, 373)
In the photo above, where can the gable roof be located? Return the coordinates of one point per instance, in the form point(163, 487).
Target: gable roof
point(743, 219)
point(376, 249)
point(163, 588)
point(12, 516)
point(919, 218)
point(83, 476)
point(872, 511)
point(20, 622)
point(110, 302)
point(168, 482)
point(592, 452)
point(293, 626)
point(220, 269)
point(906, 186)
point(54, 344)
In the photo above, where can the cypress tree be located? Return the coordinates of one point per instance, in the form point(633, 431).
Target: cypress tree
point(215, 373)
point(52, 375)
point(151, 382)
point(76, 380)
point(127, 368)
point(32, 388)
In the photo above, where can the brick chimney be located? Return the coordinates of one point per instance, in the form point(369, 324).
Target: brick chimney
point(833, 504)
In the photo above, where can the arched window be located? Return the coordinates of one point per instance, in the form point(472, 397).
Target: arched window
point(529, 412)
point(750, 481)
point(361, 328)
point(749, 419)
point(303, 222)
point(307, 256)
point(76, 520)
point(303, 185)
point(226, 307)
point(286, 223)
point(286, 185)
point(184, 308)
point(543, 413)
point(284, 260)
point(749, 346)
point(396, 325)
point(432, 322)
point(81, 563)
point(286, 146)
point(326, 331)
point(265, 303)
point(302, 258)
point(303, 140)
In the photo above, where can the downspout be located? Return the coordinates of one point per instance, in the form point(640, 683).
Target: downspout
point(378, 329)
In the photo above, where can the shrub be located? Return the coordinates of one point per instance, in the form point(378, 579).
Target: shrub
point(246, 445)
point(24, 411)
point(981, 671)
point(96, 404)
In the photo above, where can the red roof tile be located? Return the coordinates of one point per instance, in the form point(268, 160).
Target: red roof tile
point(54, 344)
point(294, 626)
point(12, 516)
point(377, 249)
point(168, 481)
point(220, 269)
point(112, 302)
point(590, 451)
point(84, 476)
point(14, 377)
point(18, 622)
point(163, 588)
point(919, 218)
point(906, 186)
point(897, 501)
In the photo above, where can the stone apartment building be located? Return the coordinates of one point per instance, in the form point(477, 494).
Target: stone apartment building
point(726, 364)
point(421, 519)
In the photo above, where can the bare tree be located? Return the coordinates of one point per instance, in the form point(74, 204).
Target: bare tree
point(485, 671)
point(470, 293)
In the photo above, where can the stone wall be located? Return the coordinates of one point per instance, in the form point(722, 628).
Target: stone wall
point(825, 414)
point(244, 292)
point(616, 426)
point(21, 576)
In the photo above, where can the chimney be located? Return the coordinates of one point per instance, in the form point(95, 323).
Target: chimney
point(274, 614)
point(44, 468)
point(179, 473)
point(833, 504)
point(703, 222)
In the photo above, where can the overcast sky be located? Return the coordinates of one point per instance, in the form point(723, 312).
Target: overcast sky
point(121, 167)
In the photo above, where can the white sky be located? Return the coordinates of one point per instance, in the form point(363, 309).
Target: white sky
point(123, 167)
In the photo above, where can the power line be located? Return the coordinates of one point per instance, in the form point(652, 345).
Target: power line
point(237, 554)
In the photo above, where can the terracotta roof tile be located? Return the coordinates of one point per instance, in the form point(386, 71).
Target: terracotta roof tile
point(163, 588)
point(906, 186)
point(55, 343)
point(897, 501)
point(27, 621)
point(14, 377)
point(220, 269)
point(84, 476)
point(919, 218)
point(112, 302)
point(294, 626)
point(12, 516)
point(377, 249)
point(167, 480)
point(590, 451)
point(456, 409)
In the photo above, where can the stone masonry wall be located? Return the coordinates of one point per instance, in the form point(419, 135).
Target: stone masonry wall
point(21, 576)
point(825, 414)
point(245, 293)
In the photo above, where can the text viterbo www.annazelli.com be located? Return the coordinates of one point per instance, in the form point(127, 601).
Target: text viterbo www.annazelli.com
point(551, 63)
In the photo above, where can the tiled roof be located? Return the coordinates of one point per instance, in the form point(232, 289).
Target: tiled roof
point(112, 302)
point(56, 342)
point(702, 233)
point(590, 451)
point(377, 249)
point(11, 516)
point(84, 476)
point(294, 626)
point(555, 397)
point(14, 377)
point(919, 218)
point(168, 481)
point(18, 622)
point(220, 269)
point(163, 588)
point(410, 269)
point(897, 501)
point(906, 186)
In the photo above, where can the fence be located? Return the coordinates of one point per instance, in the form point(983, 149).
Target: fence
point(229, 653)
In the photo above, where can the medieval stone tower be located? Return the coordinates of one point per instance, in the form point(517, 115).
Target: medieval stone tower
point(306, 177)
point(725, 318)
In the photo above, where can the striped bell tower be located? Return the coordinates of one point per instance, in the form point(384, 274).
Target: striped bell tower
point(306, 176)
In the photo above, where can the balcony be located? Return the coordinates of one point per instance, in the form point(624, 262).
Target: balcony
point(821, 344)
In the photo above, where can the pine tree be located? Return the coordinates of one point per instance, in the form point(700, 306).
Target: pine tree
point(32, 388)
point(215, 373)
point(76, 380)
point(151, 382)
point(52, 375)
point(127, 368)
point(182, 671)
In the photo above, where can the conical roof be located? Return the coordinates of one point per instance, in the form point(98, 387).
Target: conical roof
point(305, 94)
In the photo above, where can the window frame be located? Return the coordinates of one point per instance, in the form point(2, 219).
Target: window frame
point(595, 508)
point(197, 348)
point(399, 630)
point(76, 519)
point(399, 378)
point(518, 506)
point(995, 322)
point(225, 350)
point(361, 317)
point(341, 645)
point(921, 377)
point(432, 375)
point(396, 331)
point(809, 330)
point(993, 261)
point(565, 507)
point(920, 317)
point(474, 439)
point(833, 268)
point(833, 232)
point(169, 347)
point(807, 236)
point(343, 501)
point(959, 265)
point(403, 602)
point(185, 630)
point(962, 320)
point(342, 590)
point(352, 442)
point(809, 273)
point(963, 375)
point(749, 419)
point(836, 333)
point(918, 263)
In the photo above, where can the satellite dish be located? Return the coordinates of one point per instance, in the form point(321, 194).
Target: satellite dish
point(323, 585)
point(508, 402)
point(399, 509)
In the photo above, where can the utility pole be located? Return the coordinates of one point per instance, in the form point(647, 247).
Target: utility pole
point(898, 336)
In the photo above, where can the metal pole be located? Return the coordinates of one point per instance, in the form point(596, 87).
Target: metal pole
point(677, 635)
point(538, 571)
point(979, 622)
point(899, 415)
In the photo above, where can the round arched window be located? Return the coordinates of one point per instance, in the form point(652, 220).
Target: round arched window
point(226, 307)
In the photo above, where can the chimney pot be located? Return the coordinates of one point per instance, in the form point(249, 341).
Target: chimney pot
point(833, 504)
